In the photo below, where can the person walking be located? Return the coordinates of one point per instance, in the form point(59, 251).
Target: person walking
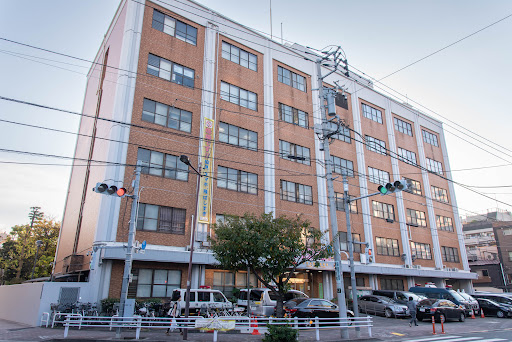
point(411, 305)
point(175, 312)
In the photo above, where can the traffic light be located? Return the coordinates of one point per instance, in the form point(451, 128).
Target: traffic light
point(111, 190)
point(399, 185)
point(369, 255)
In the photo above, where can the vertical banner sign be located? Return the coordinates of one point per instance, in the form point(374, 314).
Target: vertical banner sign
point(205, 187)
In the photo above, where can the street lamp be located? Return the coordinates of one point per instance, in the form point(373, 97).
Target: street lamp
point(39, 243)
point(184, 159)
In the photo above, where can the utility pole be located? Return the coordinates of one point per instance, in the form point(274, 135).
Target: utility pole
point(34, 215)
point(346, 201)
point(326, 132)
point(129, 248)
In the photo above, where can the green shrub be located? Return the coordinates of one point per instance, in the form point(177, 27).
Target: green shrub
point(280, 333)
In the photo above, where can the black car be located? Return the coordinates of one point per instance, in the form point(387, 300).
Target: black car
point(313, 307)
point(440, 309)
point(492, 308)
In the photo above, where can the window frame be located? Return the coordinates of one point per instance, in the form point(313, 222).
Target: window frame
point(434, 166)
point(417, 187)
point(416, 217)
point(293, 150)
point(421, 250)
point(402, 126)
point(430, 138)
point(408, 157)
point(375, 145)
point(252, 136)
point(297, 196)
point(175, 29)
point(165, 171)
point(450, 254)
point(380, 209)
point(174, 76)
point(293, 115)
point(441, 223)
point(371, 113)
point(292, 77)
point(377, 176)
point(141, 220)
point(225, 180)
point(337, 166)
point(387, 246)
point(252, 59)
point(226, 95)
point(340, 203)
point(146, 114)
point(439, 194)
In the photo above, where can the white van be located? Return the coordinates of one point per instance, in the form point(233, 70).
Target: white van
point(263, 301)
point(201, 298)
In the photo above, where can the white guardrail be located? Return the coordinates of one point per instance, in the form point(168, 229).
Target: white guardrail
point(248, 325)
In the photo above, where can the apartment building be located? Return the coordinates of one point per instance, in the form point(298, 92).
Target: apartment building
point(181, 79)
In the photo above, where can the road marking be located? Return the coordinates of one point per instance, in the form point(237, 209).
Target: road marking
point(397, 334)
point(439, 338)
point(456, 339)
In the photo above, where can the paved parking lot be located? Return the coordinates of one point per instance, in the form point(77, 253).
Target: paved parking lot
point(384, 329)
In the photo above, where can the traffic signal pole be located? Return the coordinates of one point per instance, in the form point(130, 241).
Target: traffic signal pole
point(340, 290)
point(129, 248)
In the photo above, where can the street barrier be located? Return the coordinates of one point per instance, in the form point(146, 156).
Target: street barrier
point(243, 324)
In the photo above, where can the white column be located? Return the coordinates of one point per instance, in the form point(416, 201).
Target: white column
point(400, 207)
point(269, 158)
point(428, 196)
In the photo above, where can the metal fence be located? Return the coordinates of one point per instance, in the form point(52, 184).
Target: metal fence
point(244, 324)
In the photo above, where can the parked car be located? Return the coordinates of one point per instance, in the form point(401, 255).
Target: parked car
point(263, 300)
point(401, 297)
point(202, 297)
point(472, 301)
point(444, 293)
point(492, 308)
point(495, 297)
point(440, 309)
point(382, 305)
point(313, 307)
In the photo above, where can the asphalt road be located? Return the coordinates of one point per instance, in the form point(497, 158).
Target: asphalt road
point(489, 329)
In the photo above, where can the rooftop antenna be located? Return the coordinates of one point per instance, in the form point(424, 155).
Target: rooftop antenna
point(271, 19)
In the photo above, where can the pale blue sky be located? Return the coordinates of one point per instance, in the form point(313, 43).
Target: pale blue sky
point(466, 83)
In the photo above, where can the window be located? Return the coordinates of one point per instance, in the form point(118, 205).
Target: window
point(372, 113)
point(295, 192)
point(383, 210)
point(415, 187)
point(241, 280)
point(402, 126)
point(239, 56)
point(375, 145)
point(293, 115)
point(378, 176)
point(343, 135)
point(387, 246)
point(439, 194)
point(421, 250)
point(434, 166)
point(290, 78)
point(170, 71)
point(444, 223)
point(339, 164)
point(149, 283)
point(430, 138)
point(239, 96)
point(238, 136)
point(416, 218)
point(407, 156)
point(343, 241)
point(161, 219)
point(224, 282)
point(294, 152)
point(237, 180)
point(161, 164)
point(340, 205)
point(341, 100)
point(485, 273)
point(450, 254)
point(391, 284)
point(163, 115)
point(174, 27)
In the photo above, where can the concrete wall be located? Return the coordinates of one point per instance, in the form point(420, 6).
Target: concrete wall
point(25, 303)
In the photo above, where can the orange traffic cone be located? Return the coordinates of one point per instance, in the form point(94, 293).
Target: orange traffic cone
point(472, 314)
point(255, 326)
point(482, 312)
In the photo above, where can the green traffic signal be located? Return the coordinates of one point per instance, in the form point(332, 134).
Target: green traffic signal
point(382, 189)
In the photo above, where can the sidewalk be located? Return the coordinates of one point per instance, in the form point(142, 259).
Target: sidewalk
point(10, 331)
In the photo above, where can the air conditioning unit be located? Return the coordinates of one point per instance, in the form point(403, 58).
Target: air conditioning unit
point(205, 244)
point(201, 236)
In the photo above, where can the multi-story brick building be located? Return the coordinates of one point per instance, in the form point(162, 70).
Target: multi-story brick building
point(175, 68)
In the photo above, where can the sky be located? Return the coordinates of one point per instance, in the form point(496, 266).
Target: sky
point(465, 85)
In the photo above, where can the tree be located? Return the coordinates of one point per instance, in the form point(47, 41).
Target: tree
point(272, 248)
point(17, 255)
